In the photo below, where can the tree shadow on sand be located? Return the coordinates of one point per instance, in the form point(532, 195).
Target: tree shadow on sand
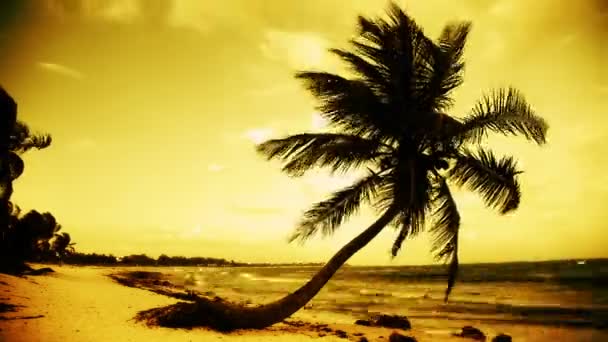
point(186, 315)
point(6, 307)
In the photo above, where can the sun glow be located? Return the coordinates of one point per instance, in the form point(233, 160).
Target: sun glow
point(318, 123)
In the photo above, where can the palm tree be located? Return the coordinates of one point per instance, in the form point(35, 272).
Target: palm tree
point(62, 245)
point(30, 236)
point(391, 119)
point(15, 139)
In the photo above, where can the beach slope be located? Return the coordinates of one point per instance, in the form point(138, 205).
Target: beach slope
point(83, 304)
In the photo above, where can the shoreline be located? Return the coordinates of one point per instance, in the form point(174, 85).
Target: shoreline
point(85, 304)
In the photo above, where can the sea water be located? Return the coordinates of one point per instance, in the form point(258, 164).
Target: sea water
point(562, 293)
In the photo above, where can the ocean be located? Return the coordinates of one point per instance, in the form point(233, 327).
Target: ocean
point(557, 293)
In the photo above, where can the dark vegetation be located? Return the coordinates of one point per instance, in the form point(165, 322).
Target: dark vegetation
point(77, 258)
point(33, 236)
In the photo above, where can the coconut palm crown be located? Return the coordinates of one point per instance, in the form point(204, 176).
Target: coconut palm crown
point(391, 117)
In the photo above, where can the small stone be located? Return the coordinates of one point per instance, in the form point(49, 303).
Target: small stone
point(396, 337)
point(472, 332)
point(341, 333)
point(392, 321)
point(363, 322)
point(502, 338)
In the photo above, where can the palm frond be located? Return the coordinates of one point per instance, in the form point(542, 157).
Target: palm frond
point(22, 140)
point(410, 221)
point(392, 44)
point(494, 179)
point(339, 152)
point(36, 141)
point(411, 189)
point(328, 215)
point(439, 131)
point(445, 230)
point(385, 191)
point(446, 222)
point(373, 30)
point(507, 112)
point(349, 105)
point(446, 67)
point(377, 54)
point(453, 39)
point(402, 222)
point(374, 76)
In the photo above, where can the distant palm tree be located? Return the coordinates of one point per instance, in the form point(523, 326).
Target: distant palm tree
point(62, 245)
point(390, 118)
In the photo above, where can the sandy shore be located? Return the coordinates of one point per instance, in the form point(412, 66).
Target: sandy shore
point(83, 304)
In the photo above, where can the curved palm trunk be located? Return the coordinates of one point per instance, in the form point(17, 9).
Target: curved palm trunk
point(281, 309)
point(225, 316)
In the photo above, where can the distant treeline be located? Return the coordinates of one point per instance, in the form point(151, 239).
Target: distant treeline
point(163, 260)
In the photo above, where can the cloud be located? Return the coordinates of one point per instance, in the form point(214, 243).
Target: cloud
point(118, 11)
point(215, 167)
point(61, 70)
point(156, 12)
point(299, 50)
point(258, 135)
point(503, 8)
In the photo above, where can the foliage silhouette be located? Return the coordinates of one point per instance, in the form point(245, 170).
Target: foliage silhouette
point(20, 238)
point(391, 120)
point(62, 245)
point(77, 258)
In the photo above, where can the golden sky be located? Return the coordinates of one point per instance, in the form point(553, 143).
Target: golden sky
point(155, 106)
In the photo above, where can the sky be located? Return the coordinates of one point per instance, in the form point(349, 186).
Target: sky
point(155, 108)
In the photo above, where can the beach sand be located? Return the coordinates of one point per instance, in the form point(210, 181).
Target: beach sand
point(83, 304)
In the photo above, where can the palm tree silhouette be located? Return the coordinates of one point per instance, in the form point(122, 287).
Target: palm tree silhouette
point(15, 139)
point(31, 234)
point(62, 245)
point(391, 119)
